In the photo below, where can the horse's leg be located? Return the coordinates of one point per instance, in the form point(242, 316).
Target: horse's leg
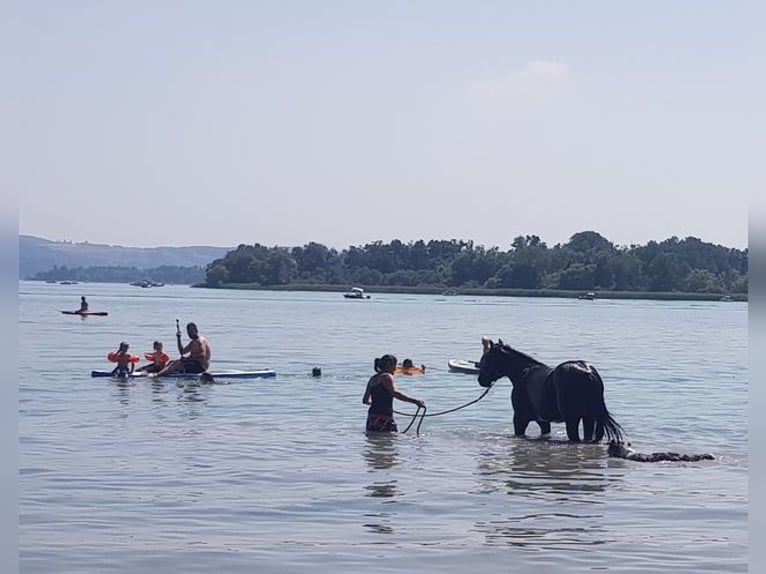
point(588, 426)
point(573, 426)
point(545, 428)
point(520, 422)
point(521, 411)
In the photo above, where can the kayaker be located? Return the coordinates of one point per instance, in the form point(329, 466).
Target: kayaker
point(83, 305)
point(159, 359)
point(198, 350)
point(380, 393)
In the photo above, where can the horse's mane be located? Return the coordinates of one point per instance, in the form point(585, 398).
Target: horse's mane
point(524, 356)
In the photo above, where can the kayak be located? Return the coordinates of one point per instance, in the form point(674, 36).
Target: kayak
point(462, 366)
point(232, 374)
point(97, 313)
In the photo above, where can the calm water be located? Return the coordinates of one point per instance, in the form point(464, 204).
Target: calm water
point(278, 476)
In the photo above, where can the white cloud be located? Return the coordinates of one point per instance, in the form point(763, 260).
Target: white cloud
point(536, 80)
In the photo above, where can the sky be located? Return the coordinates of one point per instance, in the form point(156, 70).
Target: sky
point(146, 123)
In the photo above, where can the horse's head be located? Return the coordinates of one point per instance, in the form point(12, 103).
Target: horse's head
point(501, 360)
point(492, 364)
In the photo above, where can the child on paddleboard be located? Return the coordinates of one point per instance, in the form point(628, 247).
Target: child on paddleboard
point(125, 361)
point(157, 357)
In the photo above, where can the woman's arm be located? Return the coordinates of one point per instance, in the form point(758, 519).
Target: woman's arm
point(389, 383)
point(366, 397)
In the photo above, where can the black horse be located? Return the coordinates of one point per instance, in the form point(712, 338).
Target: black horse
point(571, 392)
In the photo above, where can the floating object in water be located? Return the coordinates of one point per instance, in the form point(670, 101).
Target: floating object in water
point(463, 366)
point(619, 449)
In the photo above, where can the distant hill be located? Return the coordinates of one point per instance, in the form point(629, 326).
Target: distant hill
point(37, 255)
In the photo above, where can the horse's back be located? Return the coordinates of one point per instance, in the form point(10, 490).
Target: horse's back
point(577, 370)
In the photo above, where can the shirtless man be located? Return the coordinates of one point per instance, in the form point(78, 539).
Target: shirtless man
point(198, 350)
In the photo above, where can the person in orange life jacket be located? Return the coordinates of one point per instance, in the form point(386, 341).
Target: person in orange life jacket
point(124, 360)
point(380, 393)
point(158, 357)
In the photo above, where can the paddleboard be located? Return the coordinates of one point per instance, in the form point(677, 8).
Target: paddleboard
point(462, 366)
point(226, 375)
point(97, 313)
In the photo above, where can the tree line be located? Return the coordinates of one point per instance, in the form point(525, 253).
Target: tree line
point(587, 262)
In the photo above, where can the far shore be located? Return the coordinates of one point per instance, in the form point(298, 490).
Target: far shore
point(483, 291)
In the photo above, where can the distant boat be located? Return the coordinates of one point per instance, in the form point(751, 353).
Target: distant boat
point(588, 296)
point(356, 293)
point(67, 282)
point(726, 298)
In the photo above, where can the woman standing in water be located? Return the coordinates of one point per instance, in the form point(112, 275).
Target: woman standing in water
point(380, 393)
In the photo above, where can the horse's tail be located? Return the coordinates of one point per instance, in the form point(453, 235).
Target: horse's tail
point(605, 423)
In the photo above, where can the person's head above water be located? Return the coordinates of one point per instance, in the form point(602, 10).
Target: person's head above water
point(385, 364)
point(407, 363)
point(124, 347)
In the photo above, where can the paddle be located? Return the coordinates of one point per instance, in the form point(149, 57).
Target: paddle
point(178, 338)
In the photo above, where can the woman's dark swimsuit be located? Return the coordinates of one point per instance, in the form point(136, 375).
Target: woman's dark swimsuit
point(380, 415)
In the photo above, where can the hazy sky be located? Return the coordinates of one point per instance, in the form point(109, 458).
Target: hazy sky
point(343, 122)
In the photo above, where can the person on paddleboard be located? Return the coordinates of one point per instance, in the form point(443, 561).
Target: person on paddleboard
point(125, 361)
point(198, 350)
point(83, 305)
point(380, 393)
point(159, 359)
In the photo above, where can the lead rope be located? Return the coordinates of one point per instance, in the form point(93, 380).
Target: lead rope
point(422, 416)
point(417, 429)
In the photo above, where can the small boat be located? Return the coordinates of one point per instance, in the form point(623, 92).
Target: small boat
point(463, 366)
point(587, 296)
point(356, 293)
point(96, 313)
point(226, 375)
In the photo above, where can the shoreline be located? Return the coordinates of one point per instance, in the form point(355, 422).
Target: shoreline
point(483, 291)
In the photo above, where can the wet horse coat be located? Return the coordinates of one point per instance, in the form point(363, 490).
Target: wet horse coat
point(571, 392)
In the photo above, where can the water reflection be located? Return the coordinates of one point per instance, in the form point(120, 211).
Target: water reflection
point(158, 391)
point(381, 454)
point(564, 482)
point(122, 389)
point(544, 468)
